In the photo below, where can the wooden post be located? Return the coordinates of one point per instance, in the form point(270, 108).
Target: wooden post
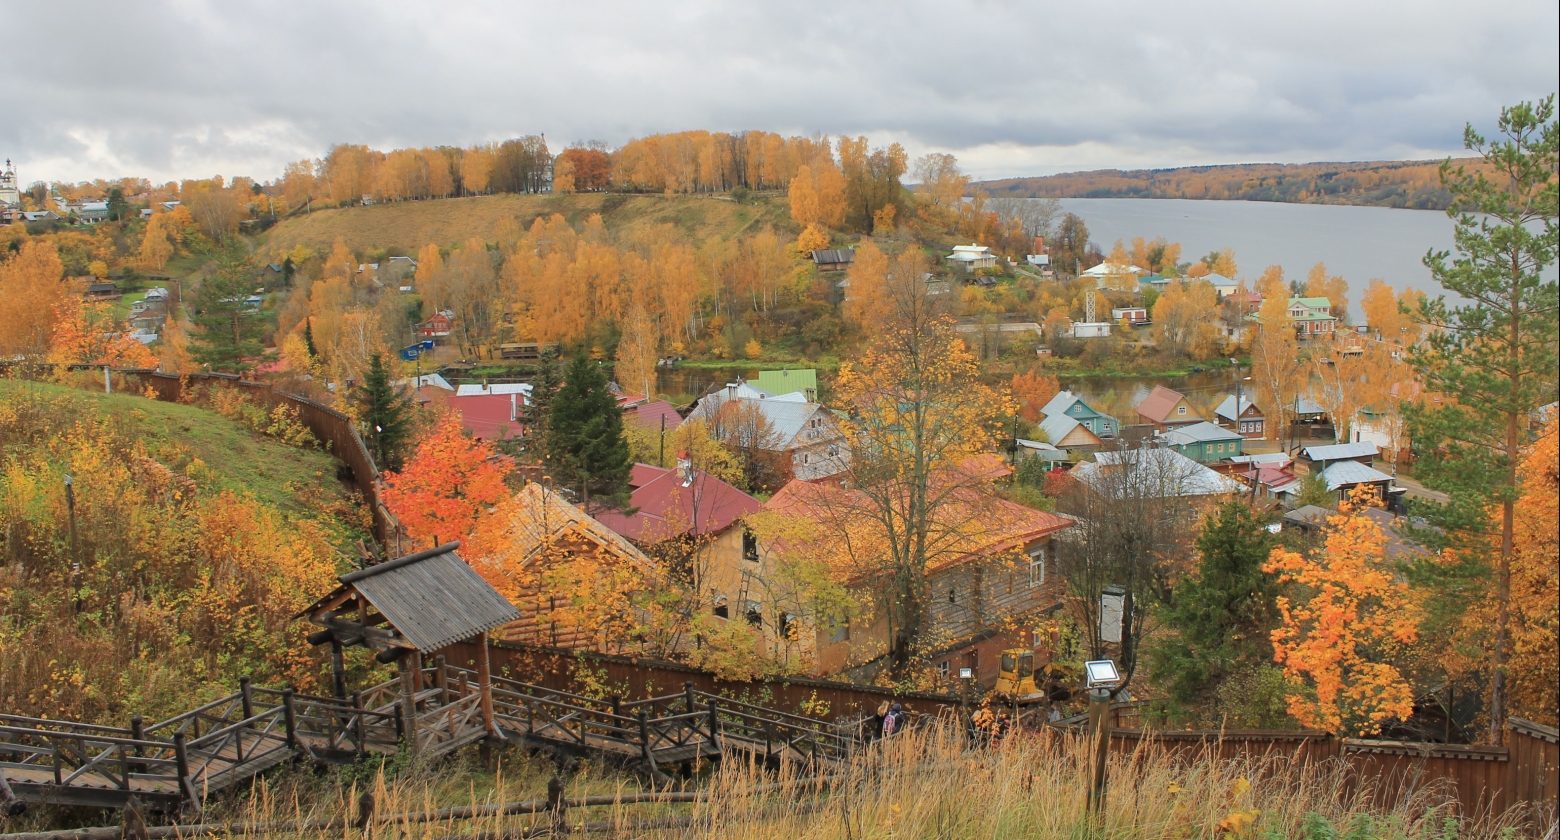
point(617, 706)
point(338, 669)
point(714, 726)
point(485, 683)
point(688, 695)
point(440, 680)
point(557, 806)
point(365, 817)
point(181, 763)
point(10, 806)
point(361, 719)
point(138, 732)
point(290, 717)
point(408, 703)
point(1099, 730)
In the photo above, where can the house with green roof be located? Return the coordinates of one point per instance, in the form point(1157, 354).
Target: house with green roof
point(1312, 317)
point(780, 382)
point(1203, 441)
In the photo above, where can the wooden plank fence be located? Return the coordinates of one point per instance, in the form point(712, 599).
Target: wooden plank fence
point(1486, 780)
point(566, 670)
point(335, 430)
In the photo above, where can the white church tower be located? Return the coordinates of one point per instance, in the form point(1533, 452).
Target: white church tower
point(10, 196)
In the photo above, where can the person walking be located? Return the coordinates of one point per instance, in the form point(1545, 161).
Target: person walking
point(894, 720)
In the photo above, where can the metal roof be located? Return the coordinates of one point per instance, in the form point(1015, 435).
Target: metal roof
point(1201, 432)
point(432, 597)
point(1345, 473)
point(1227, 407)
point(834, 256)
point(1341, 451)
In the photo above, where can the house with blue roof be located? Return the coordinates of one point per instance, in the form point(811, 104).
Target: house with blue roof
point(1070, 405)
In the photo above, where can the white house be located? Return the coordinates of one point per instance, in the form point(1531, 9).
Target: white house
point(973, 257)
point(1134, 315)
point(805, 431)
point(1087, 329)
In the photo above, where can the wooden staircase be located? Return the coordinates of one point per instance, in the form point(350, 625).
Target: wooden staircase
point(172, 765)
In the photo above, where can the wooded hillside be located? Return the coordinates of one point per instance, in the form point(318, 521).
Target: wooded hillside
point(1411, 184)
point(407, 226)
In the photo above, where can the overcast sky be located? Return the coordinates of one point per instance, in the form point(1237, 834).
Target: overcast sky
point(191, 89)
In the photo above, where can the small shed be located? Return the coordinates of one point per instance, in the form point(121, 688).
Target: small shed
point(102, 291)
point(407, 607)
point(833, 259)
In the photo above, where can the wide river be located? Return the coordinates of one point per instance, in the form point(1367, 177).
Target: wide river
point(1356, 243)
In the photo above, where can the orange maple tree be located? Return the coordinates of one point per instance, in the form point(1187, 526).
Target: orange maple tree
point(1349, 619)
point(1033, 390)
point(447, 484)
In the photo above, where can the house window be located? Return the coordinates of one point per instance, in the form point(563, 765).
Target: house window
point(755, 614)
point(1180, 409)
point(1221, 447)
point(804, 457)
point(1208, 449)
point(787, 622)
point(720, 607)
point(749, 546)
point(839, 632)
point(953, 595)
point(942, 670)
point(1037, 566)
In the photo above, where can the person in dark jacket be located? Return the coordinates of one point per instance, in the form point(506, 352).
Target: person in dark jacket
point(894, 721)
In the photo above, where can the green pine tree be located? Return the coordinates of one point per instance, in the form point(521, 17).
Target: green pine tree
point(1221, 616)
point(538, 406)
point(1497, 357)
point(385, 410)
point(308, 338)
point(230, 330)
point(1313, 491)
point(586, 449)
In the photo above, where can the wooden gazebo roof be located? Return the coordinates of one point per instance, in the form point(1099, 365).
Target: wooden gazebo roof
point(426, 601)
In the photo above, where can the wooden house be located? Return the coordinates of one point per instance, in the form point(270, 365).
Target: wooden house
point(1071, 405)
point(1165, 409)
point(834, 259)
point(1248, 420)
point(1203, 442)
point(572, 579)
point(1000, 569)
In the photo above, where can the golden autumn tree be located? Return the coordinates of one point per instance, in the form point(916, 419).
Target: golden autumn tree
point(1319, 284)
point(637, 352)
point(1534, 689)
point(1032, 390)
point(89, 333)
point(156, 246)
point(32, 291)
point(1349, 621)
point(812, 239)
point(1275, 353)
point(448, 482)
point(1185, 322)
point(919, 414)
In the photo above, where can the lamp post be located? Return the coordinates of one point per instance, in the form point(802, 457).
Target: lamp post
point(1102, 680)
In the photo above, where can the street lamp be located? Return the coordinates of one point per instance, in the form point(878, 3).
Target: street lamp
point(1102, 678)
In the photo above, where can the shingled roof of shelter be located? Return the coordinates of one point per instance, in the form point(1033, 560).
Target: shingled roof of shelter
point(433, 597)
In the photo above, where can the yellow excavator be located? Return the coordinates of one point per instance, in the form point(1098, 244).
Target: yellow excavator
point(1018, 682)
point(1016, 677)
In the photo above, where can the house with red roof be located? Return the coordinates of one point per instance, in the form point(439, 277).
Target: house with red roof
point(994, 567)
point(489, 416)
point(705, 516)
point(1166, 409)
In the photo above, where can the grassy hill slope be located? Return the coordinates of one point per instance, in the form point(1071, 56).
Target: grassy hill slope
point(235, 458)
point(403, 227)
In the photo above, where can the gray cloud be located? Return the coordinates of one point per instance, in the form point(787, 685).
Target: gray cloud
point(186, 89)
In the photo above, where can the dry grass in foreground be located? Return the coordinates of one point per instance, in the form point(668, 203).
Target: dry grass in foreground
point(919, 785)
